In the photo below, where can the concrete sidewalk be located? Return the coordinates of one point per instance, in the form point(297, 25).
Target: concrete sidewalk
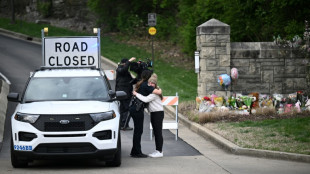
point(169, 110)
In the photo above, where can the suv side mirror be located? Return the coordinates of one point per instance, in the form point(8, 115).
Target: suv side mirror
point(111, 93)
point(13, 97)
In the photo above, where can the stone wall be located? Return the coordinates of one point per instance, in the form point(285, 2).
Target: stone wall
point(263, 67)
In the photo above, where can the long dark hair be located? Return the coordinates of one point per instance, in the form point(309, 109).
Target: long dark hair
point(146, 74)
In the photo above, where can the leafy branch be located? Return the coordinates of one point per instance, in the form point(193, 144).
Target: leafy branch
point(300, 45)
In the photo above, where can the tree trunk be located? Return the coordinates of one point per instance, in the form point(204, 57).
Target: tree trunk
point(13, 12)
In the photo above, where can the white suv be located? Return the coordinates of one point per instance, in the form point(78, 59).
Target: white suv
point(66, 113)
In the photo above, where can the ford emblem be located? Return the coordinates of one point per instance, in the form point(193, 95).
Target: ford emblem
point(64, 121)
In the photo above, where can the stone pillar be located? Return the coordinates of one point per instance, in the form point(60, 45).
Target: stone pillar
point(213, 43)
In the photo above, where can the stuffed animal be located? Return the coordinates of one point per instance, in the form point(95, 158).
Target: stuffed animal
point(297, 106)
point(308, 104)
point(255, 103)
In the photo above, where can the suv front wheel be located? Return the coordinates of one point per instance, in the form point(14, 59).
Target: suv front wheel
point(116, 162)
point(17, 163)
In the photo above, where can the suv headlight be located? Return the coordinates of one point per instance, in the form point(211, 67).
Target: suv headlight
point(97, 117)
point(28, 118)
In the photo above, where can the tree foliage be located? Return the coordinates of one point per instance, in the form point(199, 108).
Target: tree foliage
point(45, 7)
point(250, 20)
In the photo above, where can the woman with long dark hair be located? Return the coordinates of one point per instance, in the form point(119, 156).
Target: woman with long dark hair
point(137, 115)
point(156, 110)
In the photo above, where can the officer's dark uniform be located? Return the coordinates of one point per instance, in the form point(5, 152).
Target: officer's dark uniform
point(123, 78)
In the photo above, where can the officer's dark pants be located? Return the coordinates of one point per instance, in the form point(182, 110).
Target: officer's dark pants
point(124, 112)
point(138, 118)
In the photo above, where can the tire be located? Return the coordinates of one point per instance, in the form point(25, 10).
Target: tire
point(117, 161)
point(17, 163)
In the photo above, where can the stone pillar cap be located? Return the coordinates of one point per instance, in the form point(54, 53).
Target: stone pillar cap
point(213, 26)
point(213, 22)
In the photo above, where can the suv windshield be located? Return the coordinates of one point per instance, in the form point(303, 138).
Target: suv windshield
point(66, 88)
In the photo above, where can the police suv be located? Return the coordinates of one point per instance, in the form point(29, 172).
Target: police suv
point(67, 109)
point(66, 112)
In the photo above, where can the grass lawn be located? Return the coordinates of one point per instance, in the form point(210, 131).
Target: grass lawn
point(286, 135)
point(170, 79)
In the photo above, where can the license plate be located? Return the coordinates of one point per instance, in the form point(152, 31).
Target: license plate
point(22, 148)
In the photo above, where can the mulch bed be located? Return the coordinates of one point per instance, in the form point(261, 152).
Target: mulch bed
point(255, 117)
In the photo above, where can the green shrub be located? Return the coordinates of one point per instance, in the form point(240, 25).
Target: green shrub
point(44, 8)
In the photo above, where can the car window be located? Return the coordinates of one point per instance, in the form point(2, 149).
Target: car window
point(66, 88)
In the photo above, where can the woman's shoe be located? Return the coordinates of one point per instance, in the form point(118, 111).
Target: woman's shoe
point(156, 154)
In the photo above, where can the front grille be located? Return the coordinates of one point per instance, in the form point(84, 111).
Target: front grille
point(61, 123)
point(56, 126)
point(65, 148)
point(66, 135)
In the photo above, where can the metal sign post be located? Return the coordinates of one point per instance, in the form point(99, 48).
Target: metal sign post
point(99, 46)
point(42, 40)
point(153, 65)
point(152, 32)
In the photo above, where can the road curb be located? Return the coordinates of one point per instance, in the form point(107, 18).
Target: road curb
point(20, 36)
point(109, 62)
point(5, 88)
point(231, 147)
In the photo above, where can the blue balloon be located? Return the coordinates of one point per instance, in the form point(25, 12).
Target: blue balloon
point(224, 80)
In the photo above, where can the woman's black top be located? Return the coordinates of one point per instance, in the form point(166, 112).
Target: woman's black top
point(145, 89)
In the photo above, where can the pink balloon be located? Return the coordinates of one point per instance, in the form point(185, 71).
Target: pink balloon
point(234, 73)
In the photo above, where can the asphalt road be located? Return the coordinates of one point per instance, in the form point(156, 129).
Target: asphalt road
point(193, 155)
point(19, 58)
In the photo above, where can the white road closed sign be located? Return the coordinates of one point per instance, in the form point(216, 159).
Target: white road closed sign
point(71, 52)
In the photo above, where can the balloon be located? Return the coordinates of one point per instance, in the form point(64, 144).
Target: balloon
point(224, 80)
point(234, 73)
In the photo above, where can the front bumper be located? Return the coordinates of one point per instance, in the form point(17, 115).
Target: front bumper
point(69, 144)
point(106, 155)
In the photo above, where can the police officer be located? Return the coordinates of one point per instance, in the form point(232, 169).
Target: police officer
point(123, 79)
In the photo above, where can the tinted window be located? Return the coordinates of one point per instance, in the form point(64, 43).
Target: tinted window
point(66, 88)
